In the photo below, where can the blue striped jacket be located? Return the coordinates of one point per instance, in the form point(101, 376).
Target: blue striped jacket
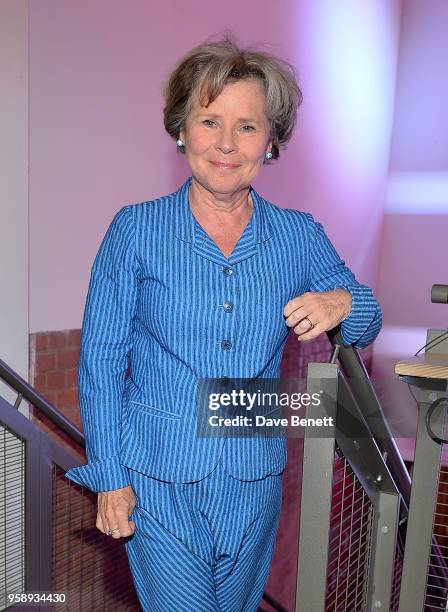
point(163, 295)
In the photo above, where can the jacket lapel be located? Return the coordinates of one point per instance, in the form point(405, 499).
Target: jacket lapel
point(189, 230)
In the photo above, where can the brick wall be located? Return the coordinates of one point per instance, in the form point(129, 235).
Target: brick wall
point(54, 359)
point(53, 365)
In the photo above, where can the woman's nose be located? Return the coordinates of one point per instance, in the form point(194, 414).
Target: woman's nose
point(226, 141)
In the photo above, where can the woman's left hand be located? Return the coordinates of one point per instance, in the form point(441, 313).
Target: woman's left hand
point(315, 312)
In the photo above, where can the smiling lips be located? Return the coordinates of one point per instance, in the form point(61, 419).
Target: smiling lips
point(225, 166)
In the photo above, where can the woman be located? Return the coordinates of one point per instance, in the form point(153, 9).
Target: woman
point(204, 283)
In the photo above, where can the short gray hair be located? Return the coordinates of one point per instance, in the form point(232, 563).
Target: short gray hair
point(208, 67)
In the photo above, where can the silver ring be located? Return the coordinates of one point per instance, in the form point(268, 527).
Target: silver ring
point(111, 531)
point(312, 326)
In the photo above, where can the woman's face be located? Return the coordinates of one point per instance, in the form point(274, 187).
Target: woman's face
point(226, 142)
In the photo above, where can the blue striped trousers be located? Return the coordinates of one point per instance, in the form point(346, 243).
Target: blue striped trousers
point(205, 546)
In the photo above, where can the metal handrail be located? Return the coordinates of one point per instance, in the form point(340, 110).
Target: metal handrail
point(26, 391)
point(367, 400)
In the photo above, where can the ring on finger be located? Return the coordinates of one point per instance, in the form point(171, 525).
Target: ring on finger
point(111, 531)
point(312, 325)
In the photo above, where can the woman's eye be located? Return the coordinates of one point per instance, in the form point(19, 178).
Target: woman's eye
point(208, 122)
point(248, 128)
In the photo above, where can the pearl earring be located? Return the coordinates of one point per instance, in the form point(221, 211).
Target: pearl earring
point(268, 155)
point(179, 142)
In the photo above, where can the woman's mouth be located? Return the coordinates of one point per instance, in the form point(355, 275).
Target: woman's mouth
point(224, 165)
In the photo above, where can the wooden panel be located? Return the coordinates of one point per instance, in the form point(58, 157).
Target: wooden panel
point(427, 365)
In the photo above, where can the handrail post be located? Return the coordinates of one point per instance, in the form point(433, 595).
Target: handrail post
point(317, 481)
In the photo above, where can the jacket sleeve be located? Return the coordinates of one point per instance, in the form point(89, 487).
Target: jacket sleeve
point(105, 344)
point(328, 271)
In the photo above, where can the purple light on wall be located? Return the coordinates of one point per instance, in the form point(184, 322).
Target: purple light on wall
point(417, 193)
point(354, 58)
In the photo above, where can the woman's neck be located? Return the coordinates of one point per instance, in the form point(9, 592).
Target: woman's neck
point(232, 208)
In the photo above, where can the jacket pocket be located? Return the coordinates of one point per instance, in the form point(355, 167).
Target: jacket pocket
point(157, 412)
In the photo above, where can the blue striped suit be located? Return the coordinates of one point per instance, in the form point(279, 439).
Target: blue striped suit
point(163, 293)
point(205, 546)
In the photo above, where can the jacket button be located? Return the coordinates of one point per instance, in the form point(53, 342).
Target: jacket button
point(228, 306)
point(226, 345)
point(227, 271)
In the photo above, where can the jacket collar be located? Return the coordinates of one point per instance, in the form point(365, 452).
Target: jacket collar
point(189, 230)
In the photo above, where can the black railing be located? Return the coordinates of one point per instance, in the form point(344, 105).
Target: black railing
point(25, 391)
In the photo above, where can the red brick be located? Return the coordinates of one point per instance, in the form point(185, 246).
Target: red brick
point(50, 396)
point(69, 411)
point(55, 380)
point(67, 359)
point(73, 415)
point(57, 339)
point(41, 341)
point(39, 382)
point(71, 378)
point(74, 337)
point(77, 421)
point(67, 398)
point(45, 362)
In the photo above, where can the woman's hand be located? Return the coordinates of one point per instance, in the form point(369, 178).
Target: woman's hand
point(114, 509)
point(315, 312)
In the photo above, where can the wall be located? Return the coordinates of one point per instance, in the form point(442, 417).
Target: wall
point(413, 251)
point(413, 255)
point(14, 187)
point(346, 55)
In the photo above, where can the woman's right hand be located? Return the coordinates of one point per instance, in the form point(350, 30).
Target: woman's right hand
point(114, 510)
